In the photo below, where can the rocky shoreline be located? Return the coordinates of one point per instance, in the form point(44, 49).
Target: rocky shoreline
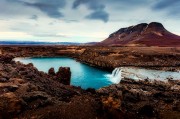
point(28, 93)
point(107, 58)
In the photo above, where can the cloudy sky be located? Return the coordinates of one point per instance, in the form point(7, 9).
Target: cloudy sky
point(81, 20)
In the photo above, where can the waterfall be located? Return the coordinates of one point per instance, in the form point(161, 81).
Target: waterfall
point(115, 77)
point(142, 74)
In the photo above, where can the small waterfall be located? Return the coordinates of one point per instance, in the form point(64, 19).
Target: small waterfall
point(142, 74)
point(115, 77)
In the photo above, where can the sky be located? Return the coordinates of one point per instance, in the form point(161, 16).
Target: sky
point(81, 20)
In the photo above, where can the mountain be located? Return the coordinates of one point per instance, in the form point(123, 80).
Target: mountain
point(152, 34)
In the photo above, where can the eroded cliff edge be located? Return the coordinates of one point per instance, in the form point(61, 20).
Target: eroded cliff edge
point(149, 57)
point(108, 58)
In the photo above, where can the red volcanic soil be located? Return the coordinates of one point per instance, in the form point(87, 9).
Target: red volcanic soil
point(153, 34)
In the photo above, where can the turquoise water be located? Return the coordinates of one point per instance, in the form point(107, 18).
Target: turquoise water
point(81, 74)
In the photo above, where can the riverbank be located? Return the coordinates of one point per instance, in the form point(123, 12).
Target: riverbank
point(108, 58)
point(28, 93)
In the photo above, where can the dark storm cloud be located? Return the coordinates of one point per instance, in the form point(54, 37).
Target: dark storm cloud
point(91, 4)
point(98, 8)
point(172, 7)
point(162, 4)
point(50, 7)
point(101, 15)
point(130, 2)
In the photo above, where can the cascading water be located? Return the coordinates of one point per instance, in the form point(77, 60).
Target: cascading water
point(141, 74)
point(115, 77)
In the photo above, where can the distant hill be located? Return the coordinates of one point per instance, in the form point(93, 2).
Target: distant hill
point(153, 34)
point(42, 43)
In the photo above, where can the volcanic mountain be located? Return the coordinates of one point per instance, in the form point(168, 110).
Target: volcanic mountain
point(153, 34)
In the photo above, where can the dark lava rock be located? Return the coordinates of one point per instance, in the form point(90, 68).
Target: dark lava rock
point(30, 75)
point(64, 75)
point(147, 110)
point(36, 99)
point(2, 80)
point(91, 90)
point(6, 58)
point(51, 71)
point(176, 106)
point(10, 104)
point(30, 65)
point(12, 88)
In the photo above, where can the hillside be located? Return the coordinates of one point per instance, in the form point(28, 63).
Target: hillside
point(153, 34)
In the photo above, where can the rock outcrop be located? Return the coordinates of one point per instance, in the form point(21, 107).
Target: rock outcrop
point(51, 72)
point(112, 57)
point(63, 75)
point(143, 99)
point(25, 92)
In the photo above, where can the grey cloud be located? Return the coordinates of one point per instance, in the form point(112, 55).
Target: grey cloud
point(101, 15)
point(98, 8)
point(126, 4)
point(172, 7)
point(91, 4)
point(162, 4)
point(130, 2)
point(50, 7)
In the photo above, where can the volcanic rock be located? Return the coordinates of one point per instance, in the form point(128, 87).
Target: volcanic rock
point(36, 95)
point(51, 71)
point(3, 80)
point(64, 75)
point(6, 58)
point(10, 104)
point(143, 99)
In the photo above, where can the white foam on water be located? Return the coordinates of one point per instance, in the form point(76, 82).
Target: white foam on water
point(142, 74)
point(116, 76)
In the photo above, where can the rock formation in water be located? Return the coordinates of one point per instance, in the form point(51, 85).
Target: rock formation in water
point(153, 34)
point(51, 72)
point(64, 75)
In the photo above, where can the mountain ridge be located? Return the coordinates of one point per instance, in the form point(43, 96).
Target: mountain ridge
point(152, 34)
